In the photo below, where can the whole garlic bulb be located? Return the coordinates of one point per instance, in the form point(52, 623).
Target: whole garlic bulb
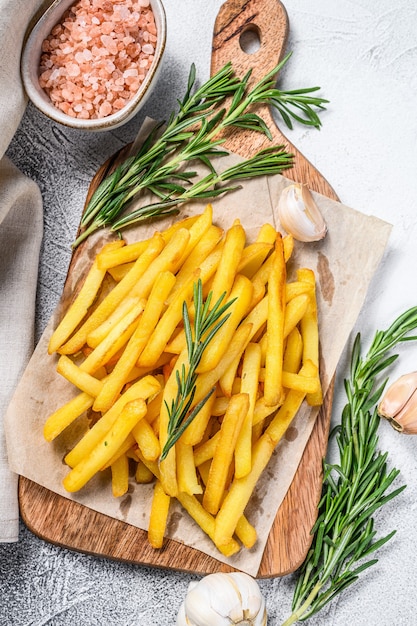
point(223, 599)
point(300, 215)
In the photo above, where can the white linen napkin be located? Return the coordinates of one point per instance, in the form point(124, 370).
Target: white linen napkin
point(20, 239)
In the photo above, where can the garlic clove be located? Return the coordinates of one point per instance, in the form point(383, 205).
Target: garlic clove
point(399, 404)
point(300, 215)
point(223, 600)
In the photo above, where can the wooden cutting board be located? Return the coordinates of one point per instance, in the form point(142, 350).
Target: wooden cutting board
point(264, 24)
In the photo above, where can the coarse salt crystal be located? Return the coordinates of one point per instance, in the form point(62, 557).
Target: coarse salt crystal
point(105, 109)
point(73, 69)
point(133, 72)
point(148, 48)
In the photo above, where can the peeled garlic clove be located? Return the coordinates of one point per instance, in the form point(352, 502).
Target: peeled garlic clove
point(300, 215)
point(399, 404)
point(223, 600)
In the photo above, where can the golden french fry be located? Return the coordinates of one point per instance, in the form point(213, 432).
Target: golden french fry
point(197, 230)
point(258, 316)
point(298, 382)
point(289, 408)
point(186, 470)
point(119, 271)
point(262, 274)
point(206, 522)
point(294, 311)
point(310, 333)
point(166, 261)
point(252, 258)
point(114, 341)
point(262, 411)
point(249, 384)
point(259, 291)
point(208, 267)
point(297, 288)
point(257, 319)
point(81, 379)
point(144, 388)
point(220, 406)
point(246, 532)
point(66, 414)
point(187, 222)
point(290, 380)
point(288, 245)
point(195, 431)
point(244, 529)
point(159, 516)
point(116, 295)
point(267, 234)
point(205, 451)
point(168, 469)
point(154, 405)
point(120, 476)
point(126, 448)
point(164, 329)
point(229, 261)
point(223, 455)
point(143, 475)
point(293, 351)
point(98, 334)
point(198, 255)
point(240, 492)
point(164, 359)
point(84, 470)
point(146, 439)
point(273, 391)
point(209, 379)
point(108, 259)
point(240, 296)
point(82, 303)
point(149, 319)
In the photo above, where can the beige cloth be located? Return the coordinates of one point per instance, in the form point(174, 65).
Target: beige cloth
point(20, 238)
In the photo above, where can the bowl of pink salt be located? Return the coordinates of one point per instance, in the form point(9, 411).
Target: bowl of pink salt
point(91, 64)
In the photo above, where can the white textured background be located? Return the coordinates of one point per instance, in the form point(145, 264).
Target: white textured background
point(363, 53)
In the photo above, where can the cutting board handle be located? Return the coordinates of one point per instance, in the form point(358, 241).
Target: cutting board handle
point(252, 34)
point(266, 23)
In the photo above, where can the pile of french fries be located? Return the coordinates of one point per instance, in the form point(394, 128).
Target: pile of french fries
point(122, 341)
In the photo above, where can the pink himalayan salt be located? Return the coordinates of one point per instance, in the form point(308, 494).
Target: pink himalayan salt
point(97, 57)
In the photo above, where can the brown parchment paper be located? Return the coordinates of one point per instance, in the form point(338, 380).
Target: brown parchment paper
point(344, 263)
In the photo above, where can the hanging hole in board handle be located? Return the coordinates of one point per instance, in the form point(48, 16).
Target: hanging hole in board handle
point(250, 39)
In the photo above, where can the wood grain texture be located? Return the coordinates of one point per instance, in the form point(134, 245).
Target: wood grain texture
point(69, 524)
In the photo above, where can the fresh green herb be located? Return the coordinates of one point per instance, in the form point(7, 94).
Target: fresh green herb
point(353, 489)
point(267, 161)
point(196, 133)
point(207, 322)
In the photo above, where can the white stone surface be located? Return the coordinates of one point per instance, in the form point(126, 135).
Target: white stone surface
point(364, 56)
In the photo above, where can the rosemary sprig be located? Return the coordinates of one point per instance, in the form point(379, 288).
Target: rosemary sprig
point(208, 320)
point(353, 489)
point(268, 161)
point(194, 133)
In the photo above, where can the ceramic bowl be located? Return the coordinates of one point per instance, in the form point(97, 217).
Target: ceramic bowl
point(30, 68)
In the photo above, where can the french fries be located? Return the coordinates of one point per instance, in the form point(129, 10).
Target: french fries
point(123, 345)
